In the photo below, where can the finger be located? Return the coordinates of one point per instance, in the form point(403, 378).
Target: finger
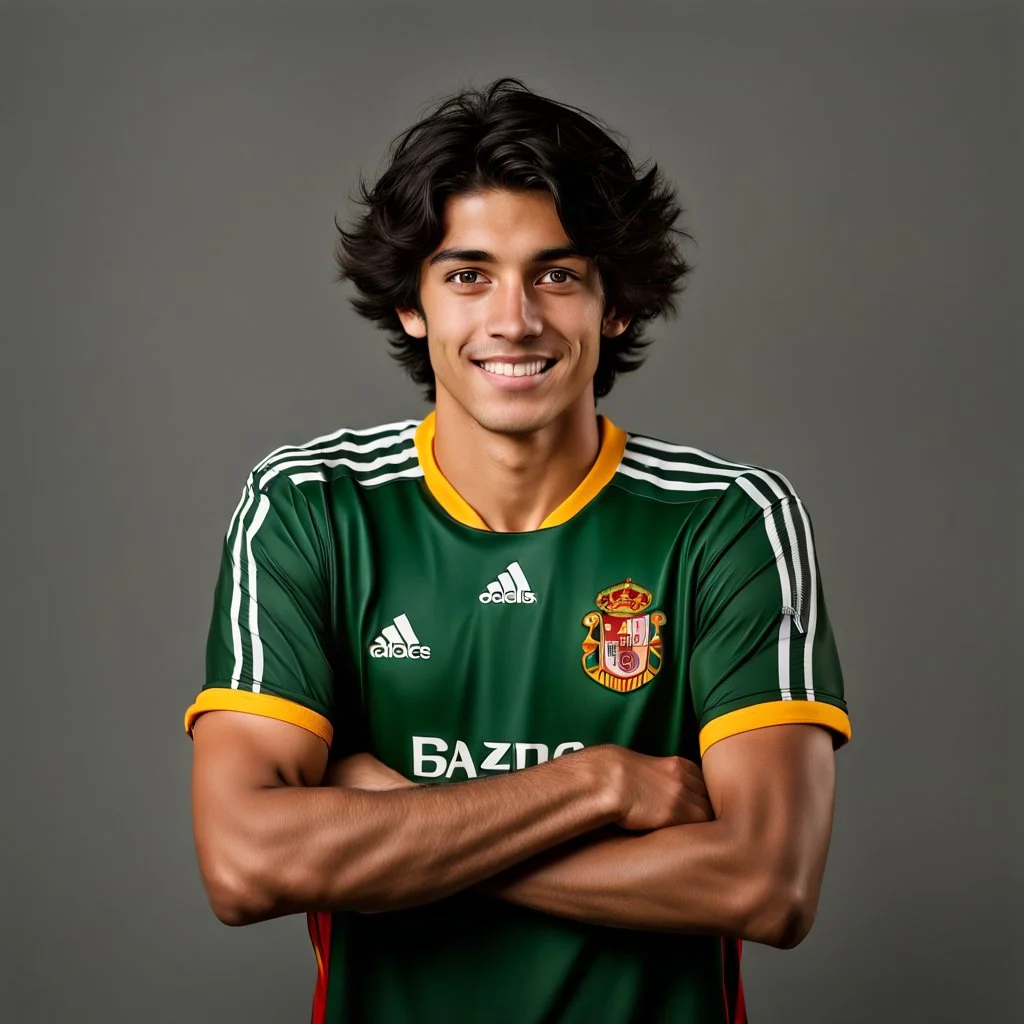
point(697, 810)
point(707, 806)
point(695, 795)
point(696, 787)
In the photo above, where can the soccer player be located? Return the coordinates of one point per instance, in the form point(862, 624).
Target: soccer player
point(532, 717)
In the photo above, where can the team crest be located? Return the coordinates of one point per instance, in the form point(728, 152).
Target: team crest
point(623, 649)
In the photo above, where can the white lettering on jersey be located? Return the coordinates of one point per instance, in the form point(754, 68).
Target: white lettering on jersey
point(511, 587)
point(437, 764)
point(429, 762)
point(492, 762)
point(399, 640)
point(399, 651)
point(566, 748)
point(523, 749)
point(461, 759)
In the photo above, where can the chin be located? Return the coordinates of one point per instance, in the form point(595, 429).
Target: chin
point(513, 421)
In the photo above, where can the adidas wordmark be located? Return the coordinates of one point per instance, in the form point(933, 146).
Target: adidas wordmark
point(511, 587)
point(399, 640)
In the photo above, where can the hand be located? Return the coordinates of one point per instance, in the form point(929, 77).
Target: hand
point(658, 792)
point(364, 771)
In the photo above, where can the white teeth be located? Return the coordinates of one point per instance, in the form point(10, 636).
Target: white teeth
point(515, 369)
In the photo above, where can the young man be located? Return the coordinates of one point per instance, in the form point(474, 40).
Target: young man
point(461, 673)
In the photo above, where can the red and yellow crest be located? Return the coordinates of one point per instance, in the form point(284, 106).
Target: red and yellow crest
point(623, 648)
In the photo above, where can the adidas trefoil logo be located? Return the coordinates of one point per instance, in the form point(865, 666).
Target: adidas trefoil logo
point(511, 587)
point(399, 640)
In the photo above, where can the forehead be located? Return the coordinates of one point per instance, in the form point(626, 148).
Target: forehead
point(505, 223)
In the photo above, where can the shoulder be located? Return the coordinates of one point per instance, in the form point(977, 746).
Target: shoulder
point(296, 484)
point(677, 473)
point(369, 456)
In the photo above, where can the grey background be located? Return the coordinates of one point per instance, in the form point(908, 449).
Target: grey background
point(851, 174)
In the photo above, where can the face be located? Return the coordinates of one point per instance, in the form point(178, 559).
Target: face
point(512, 314)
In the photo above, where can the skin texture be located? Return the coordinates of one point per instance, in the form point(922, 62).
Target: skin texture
point(514, 448)
point(755, 865)
point(603, 835)
point(749, 863)
point(754, 872)
point(272, 841)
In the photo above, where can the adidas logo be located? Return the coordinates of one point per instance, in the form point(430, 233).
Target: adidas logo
point(399, 640)
point(511, 587)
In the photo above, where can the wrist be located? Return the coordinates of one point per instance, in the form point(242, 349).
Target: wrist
point(607, 772)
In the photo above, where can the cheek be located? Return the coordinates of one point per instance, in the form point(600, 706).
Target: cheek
point(448, 323)
point(588, 334)
point(580, 323)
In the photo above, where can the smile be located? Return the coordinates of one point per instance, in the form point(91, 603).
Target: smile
point(501, 368)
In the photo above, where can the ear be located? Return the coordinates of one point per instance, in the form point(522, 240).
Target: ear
point(412, 322)
point(613, 325)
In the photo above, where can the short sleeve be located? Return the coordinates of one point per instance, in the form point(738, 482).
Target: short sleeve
point(764, 653)
point(268, 650)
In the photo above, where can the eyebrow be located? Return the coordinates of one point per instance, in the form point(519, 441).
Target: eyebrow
point(481, 256)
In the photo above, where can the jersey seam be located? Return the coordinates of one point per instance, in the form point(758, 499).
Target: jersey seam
point(768, 697)
point(270, 691)
point(756, 517)
point(619, 483)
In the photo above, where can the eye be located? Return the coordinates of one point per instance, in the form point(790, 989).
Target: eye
point(466, 277)
point(558, 275)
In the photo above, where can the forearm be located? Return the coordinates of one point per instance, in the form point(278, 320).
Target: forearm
point(285, 849)
point(687, 878)
point(753, 872)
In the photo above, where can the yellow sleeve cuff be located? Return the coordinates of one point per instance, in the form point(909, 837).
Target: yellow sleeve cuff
point(265, 704)
point(777, 712)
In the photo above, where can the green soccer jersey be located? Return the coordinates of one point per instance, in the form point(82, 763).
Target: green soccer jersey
point(671, 601)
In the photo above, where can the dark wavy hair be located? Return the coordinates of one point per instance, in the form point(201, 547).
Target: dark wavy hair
point(505, 136)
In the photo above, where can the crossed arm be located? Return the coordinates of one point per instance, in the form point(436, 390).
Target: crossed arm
point(604, 835)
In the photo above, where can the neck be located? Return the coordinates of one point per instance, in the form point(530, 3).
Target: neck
point(515, 481)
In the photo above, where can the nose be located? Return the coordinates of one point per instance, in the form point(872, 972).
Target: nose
point(513, 312)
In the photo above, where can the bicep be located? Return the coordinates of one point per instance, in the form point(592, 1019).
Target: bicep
point(775, 788)
point(238, 759)
point(235, 754)
point(236, 750)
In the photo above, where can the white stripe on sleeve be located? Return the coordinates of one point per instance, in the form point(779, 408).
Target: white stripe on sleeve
point(812, 611)
point(254, 625)
point(236, 590)
point(780, 565)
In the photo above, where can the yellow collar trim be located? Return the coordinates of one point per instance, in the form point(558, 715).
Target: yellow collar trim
point(613, 443)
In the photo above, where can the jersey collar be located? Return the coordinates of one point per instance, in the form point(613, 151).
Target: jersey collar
point(613, 443)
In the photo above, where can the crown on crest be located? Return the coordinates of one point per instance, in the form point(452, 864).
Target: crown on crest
point(626, 598)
